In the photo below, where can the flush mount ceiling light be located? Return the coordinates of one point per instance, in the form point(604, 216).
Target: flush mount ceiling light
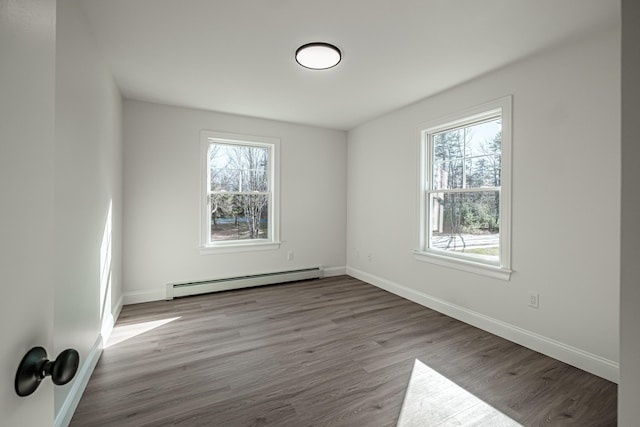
point(318, 56)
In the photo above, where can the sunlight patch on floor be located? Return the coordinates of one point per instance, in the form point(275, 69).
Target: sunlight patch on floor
point(433, 400)
point(125, 332)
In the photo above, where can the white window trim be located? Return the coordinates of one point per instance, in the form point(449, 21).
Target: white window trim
point(477, 113)
point(233, 246)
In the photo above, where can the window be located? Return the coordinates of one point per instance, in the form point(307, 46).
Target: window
point(240, 192)
point(465, 190)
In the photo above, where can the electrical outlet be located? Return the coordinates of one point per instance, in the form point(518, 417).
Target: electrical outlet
point(290, 255)
point(369, 257)
point(534, 300)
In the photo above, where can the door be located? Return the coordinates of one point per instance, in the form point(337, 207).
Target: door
point(27, 83)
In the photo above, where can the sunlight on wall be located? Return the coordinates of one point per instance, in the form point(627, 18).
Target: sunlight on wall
point(125, 332)
point(432, 399)
point(106, 317)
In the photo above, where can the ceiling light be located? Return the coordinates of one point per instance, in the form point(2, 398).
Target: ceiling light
point(318, 56)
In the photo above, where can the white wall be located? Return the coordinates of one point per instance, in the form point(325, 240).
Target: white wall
point(88, 183)
point(162, 198)
point(27, 65)
point(566, 185)
point(629, 390)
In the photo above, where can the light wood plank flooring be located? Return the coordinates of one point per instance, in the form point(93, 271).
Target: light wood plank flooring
point(328, 352)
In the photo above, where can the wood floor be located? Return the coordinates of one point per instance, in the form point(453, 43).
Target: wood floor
point(328, 352)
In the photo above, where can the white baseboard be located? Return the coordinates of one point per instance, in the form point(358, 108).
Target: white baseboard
point(584, 360)
point(119, 305)
point(160, 294)
point(137, 297)
point(334, 271)
point(68, 408)
point(64, 415)
point(110, 321)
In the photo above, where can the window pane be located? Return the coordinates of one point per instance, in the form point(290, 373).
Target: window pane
point(255, 180)
point(483, 138)
point(466, 223)
point(448, 145)
point(238, 167)
point(239, 216)
point(246, 157)
point(220, 155)
point(483, 171)
point(225, 179)
point(447, 175)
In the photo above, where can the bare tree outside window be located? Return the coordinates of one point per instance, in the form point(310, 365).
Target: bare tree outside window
point(239, 191)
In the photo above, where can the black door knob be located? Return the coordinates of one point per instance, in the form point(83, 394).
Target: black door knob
point(35, 367)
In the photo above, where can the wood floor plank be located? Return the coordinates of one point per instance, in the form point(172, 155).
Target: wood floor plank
point(328, 352)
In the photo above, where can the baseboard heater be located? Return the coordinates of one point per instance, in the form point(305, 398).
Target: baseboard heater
point(176, 290)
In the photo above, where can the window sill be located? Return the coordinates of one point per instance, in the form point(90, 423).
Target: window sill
point(464, 265)
point(239, 247)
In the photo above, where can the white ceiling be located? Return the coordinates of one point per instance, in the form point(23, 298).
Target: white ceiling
point(237, 56)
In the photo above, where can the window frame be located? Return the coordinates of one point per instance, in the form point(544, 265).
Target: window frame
point(207, 246)
point(478, 114)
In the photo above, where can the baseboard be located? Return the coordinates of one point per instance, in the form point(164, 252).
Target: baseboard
point(335, 271)
point(568, 354)
point(64, 415)
point(119, 305)
point(137, 297)
point(110, 321)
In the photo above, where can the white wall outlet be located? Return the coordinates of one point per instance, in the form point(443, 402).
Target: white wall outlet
point(290, 255)
point(534, 299)
point(369, 257)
